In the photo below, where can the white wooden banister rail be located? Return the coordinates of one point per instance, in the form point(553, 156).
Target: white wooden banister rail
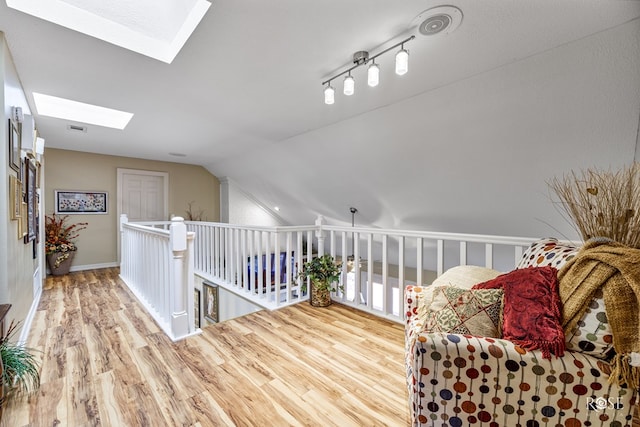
point(261, 264)
point(157, 266)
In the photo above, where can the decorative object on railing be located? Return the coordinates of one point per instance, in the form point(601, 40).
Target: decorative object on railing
point(157, 266)
point(603, 203)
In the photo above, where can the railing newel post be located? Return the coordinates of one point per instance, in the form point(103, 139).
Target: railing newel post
point(179, 280)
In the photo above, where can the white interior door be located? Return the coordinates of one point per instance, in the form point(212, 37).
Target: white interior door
point(143, 196)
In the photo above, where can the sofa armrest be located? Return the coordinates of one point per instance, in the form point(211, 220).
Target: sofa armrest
point(459, 379)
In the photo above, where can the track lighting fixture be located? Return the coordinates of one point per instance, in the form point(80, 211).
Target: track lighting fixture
point(373, 73)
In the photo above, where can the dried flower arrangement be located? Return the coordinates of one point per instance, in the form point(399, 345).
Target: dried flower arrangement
point(59, 236)
point(603, 203)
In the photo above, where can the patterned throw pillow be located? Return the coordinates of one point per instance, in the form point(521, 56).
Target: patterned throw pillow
point(592, 334)
point(547, 252)
point(464, 311)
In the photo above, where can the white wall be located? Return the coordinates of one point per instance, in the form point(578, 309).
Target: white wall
point(241, 208)
point(230, 305)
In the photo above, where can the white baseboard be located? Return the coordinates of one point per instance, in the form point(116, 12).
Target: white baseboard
point(90, 266)
point(94, 266)
point(26, 326)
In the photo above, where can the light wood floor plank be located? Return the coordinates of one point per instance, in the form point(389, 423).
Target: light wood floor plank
point(105, 362)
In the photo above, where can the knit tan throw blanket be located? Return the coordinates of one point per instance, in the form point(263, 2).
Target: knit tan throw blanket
point(614, 268)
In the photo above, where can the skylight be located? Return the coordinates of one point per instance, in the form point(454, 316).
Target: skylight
point(67, 109)
point(155, 28)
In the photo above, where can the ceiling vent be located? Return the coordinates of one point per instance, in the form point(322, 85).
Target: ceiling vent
point(438, 20)
point(77, 128)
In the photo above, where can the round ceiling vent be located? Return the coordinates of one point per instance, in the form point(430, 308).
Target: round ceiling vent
point(438, 20)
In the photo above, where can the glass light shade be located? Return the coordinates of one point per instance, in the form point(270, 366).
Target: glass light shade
point(402, 62)
point(373, 75)
point(329, 95)
point(349, 85)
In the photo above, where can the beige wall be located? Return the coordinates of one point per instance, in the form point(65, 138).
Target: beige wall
point(74, 170)
point(18, 268)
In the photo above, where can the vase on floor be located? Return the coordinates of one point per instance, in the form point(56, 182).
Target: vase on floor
point(60, 262)
point(320, 295)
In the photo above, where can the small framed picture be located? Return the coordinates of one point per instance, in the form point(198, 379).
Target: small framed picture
point(15, 188)
point(31, 200)
point(14, 145)
point(81, 202)
point(211, 302)
point(196, 307)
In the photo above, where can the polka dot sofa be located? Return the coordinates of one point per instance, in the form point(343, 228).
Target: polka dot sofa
point(457, 379)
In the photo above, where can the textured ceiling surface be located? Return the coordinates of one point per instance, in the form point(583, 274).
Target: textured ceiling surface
point(450, 146)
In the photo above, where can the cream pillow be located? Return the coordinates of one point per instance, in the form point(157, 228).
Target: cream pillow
point(465, 276)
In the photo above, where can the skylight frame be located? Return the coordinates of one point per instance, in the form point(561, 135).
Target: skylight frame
point(67, 109)
point(74, 18)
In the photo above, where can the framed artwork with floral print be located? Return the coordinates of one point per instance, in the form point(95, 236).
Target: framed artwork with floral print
point(81, 202)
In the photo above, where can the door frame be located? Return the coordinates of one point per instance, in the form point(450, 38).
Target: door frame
point(120, 181)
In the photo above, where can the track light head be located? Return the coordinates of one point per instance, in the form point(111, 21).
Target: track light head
point(349, 85)
point(329, 94)
point(373, 75)
point(402, 61)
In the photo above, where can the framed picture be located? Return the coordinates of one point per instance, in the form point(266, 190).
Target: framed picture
point(211, 302)
point(30, 199)
point(14, 145)
point(22, 222)
point(15, 190)
point(81, 202)
point(196, 307)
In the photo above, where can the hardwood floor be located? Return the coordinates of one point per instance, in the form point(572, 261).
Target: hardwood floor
point(105, 362)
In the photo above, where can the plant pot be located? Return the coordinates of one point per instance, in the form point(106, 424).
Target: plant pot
point(60, 262)
point(319, 297)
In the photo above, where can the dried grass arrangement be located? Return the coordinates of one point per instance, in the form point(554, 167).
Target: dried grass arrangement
point(603, 203)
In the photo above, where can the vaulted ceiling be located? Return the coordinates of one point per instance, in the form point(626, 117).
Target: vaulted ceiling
point(522, 91)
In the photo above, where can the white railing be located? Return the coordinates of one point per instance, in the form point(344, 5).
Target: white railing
point(157, 266)
point(389, 260)
point(261, 264)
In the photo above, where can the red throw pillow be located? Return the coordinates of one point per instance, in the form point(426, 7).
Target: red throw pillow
point(531, 315)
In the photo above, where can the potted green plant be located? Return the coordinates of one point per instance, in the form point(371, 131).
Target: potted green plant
point(59, 245)
point(20, 371)
point(322, 272)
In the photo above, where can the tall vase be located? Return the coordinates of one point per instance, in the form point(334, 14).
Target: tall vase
point(60, 262)
point(319, 297)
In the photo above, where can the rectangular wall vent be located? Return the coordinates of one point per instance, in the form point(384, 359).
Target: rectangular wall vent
point(76, 128)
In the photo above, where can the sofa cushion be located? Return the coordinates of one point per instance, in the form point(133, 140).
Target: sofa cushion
point(547, 252)
point(531, 309)
point(592, 335)
point(464, 311)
